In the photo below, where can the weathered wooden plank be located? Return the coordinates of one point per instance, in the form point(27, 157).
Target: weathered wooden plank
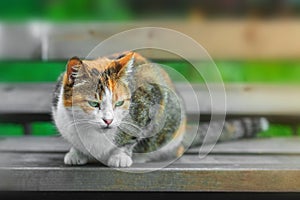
point(242, 99)
point(20, 41)
point(266, 146)
point(54, 159)
point(26, 98)
point(34, 144)
point(223, 39)
point(256, 99)
point(46, 172)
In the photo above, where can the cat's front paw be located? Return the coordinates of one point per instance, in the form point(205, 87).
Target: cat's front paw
point(119, 160)
point(73, 157)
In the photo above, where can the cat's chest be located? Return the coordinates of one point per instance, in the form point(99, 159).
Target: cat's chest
point(99, 143)
point(94, 142)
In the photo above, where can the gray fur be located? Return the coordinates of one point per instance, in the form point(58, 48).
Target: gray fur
point(56, 92)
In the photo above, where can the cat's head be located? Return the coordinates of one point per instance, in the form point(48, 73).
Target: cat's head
point(97, 90)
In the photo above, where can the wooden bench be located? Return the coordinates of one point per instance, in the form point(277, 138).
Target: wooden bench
point(247, 165)
point(36, 164)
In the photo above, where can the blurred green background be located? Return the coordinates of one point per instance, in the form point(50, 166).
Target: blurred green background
point(120, 10)
point(283, 71)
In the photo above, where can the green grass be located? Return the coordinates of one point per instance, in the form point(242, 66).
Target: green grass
point(38, 129)
point(277, 130)
point(67, 10)
point(7, 129)
point(246, 71)
point(30, 71)
point(43, 129)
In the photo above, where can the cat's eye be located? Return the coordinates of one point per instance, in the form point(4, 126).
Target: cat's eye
point(119, 103)
point(93, 104)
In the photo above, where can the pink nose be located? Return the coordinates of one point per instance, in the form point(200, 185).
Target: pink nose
point(108, 121)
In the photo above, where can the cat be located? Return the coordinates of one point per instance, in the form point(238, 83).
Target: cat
point(115, 109)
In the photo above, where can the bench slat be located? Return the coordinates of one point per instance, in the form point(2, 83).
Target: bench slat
point(213, 161)
point(273, 146)
point(54, 161)
point(44, 170)
point(251, 39)
point(242, 99)
point(26, 98)
point(267, 146)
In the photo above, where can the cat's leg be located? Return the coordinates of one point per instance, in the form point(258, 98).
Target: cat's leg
point(120, 157)
point(75, 157)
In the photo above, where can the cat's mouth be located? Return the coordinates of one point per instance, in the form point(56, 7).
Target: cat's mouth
point(106, 126)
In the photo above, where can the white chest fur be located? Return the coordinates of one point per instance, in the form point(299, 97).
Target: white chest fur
point(91, 142)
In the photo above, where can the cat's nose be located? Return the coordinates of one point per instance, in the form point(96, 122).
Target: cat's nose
point(107, 121)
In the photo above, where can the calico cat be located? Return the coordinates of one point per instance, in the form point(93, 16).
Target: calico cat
point(115, 109)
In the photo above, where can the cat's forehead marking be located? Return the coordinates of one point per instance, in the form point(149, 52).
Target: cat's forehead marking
point(106, 97)
point(107, 94)
point(104, 86)
point(101, 78)
point(99, 90)
point(107, 79)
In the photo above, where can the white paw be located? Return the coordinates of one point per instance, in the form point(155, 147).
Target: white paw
point(75, 158)
point(119, 160)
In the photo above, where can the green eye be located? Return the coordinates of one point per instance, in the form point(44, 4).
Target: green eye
point(119, 103)
point(93, 103)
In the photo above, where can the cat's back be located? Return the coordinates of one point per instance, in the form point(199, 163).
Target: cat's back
point(152, 73)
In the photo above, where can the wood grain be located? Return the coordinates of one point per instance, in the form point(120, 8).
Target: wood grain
point(46, 172)
point(36, 164)
point(254, 146)
point(223, 39)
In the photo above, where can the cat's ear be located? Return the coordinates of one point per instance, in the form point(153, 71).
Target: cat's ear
point(124, 64)
point(73, 66)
